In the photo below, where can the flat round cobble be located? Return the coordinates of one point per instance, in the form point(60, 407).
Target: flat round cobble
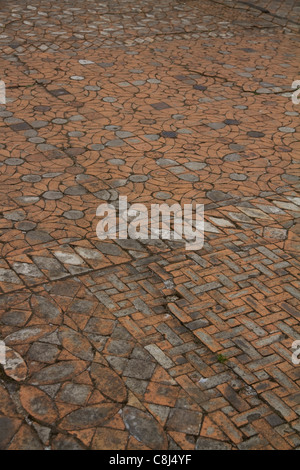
point(73, 214)
point(53, 195)
point(14, 161)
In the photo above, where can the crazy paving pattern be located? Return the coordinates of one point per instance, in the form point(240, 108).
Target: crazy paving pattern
point(123, 344)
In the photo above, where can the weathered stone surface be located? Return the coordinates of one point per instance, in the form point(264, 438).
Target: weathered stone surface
point(28, 334)
point(52, 195)
point(46, 309)
point(15, 366)
point(76, 343)
point(43, 352)
point(90, 416)
point(25, 439)
point(144, 428)
point(109, 383)
point(105, 439)
point(139, 369)
point(63, 442)
point(211, 444)
point(27, 269)
point(38, 404)
point(14, 318)
point(38, 236)
point(8, 428)
point(186, 421)
point(59, 372)
point(7, 406)
point(100, 326)
point(76, 394)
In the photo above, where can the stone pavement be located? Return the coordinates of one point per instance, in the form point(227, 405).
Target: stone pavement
point(128, 344)
point(285, 13)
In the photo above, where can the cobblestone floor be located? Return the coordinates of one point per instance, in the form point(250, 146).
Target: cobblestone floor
point(123, 344)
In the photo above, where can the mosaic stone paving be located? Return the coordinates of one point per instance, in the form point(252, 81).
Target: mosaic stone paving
point(129, 344)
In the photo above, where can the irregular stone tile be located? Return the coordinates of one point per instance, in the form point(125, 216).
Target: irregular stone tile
point(38, 404)
point(100, 326)
point(109, 383)
point(53, 195)
point(43, 352)
point(238, 177)
point(26, 226)
point(24, 200)
point(160, 106)
point(75, 191)
point(15, 366)
point(211, 444)
point(144, 428)
point(195, 165)
point(59, 372)
point(73, 215)
point(256, 134)
point(27, 270)
point(138, 178)
point(14, 318)
point(169, 134)
point(257, 213)
point(217, 196)
point(51, 267)
point(28, 334)
point(221, 222)
point(90, 416)
point(276, 233)
point(68, 258)
point(86, 253)
point(45, 308)
point(186, 421)
point(43, 433)
point(65, 442)
point(76, 343)
point(38, 236)
point(108, 439)
point(76, 394)
point(8, 276)
point(25, 439)
point(8, 428)
point(139, 369)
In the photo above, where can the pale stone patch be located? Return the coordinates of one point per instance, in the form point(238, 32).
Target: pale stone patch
point(208, 227)
point(221, 222)
point(68, 258)
point(2, 92)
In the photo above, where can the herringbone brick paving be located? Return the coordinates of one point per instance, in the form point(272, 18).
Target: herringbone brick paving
point(135, 344)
